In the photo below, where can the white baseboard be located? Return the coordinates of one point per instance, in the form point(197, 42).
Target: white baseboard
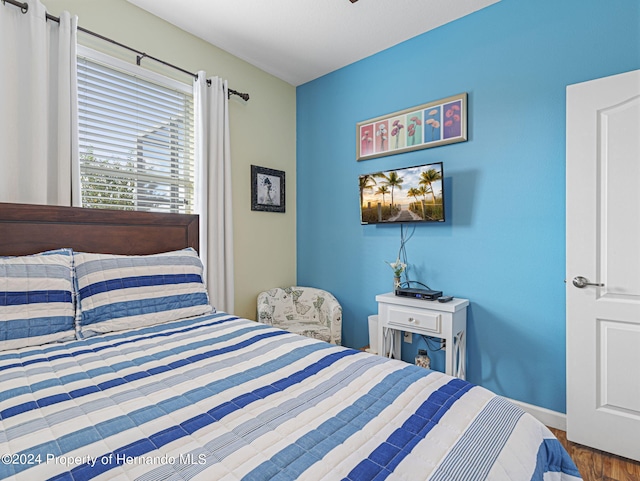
point(546, 416)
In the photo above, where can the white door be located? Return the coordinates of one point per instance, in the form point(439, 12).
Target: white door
point(603, 247)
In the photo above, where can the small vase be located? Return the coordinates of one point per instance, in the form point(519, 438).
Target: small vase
point(396, 282)
point(422, 359)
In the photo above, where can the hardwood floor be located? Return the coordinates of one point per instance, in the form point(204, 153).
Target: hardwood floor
point(597, 465)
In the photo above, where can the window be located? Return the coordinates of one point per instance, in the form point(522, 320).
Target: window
point(135, 136)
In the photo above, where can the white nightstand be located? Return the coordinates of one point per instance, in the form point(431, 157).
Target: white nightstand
point(444, 320)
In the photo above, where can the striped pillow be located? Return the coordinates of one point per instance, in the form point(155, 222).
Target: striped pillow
point(36, 299)
point(123, 292)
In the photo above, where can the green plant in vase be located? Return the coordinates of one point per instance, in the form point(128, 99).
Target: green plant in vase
point(398, 268)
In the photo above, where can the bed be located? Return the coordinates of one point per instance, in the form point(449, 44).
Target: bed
point(209, 396)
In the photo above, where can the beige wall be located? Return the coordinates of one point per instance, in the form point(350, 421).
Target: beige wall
point(262, 131)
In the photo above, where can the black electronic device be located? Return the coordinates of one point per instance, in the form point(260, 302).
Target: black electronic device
point(425, 207)
point(426, 294)
point(445, 298)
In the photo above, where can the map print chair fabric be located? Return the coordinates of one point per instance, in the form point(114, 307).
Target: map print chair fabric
point(306, 311)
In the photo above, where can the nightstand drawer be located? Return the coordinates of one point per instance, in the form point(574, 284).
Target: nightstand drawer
point(416, 320)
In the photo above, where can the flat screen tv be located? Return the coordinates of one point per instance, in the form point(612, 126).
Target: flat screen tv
point(411, 194)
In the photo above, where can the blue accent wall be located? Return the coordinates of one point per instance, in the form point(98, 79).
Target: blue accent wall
point(503, 244)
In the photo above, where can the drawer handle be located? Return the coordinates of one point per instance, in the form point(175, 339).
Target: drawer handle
point(411, 319)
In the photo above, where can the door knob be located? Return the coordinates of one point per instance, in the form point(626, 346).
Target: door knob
point(584, 282)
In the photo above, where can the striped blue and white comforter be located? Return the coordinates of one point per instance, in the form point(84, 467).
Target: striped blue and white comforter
point(217, 397)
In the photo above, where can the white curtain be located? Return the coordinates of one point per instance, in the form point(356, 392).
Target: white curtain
point(213, 161)
point(38, 113)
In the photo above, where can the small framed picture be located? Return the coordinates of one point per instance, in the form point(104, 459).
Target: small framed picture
point(267, 189)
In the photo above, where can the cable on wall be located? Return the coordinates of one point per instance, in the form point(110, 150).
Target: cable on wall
point(402, 255)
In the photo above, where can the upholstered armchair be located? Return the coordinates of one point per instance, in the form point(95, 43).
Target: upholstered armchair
point(306, 311)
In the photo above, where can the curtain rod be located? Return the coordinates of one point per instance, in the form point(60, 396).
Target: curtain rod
point(24, 7)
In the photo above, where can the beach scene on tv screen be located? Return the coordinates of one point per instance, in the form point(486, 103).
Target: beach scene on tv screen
point(412, 194)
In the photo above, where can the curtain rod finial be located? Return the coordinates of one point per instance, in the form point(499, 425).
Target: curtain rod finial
point(242, 95)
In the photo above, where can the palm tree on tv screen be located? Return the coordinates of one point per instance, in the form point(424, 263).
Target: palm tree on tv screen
point(415, 193)
point(423, 190)
point(393, 180)
point(427, 178)
point(383, 189)
point(366, 181)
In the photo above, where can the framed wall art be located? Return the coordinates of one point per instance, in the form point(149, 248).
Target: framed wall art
point(267, 189)
point(436, 123)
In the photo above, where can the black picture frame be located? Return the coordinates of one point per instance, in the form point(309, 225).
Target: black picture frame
point(267, 189)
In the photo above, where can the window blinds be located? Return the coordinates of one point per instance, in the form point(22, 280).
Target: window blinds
point(136, 141)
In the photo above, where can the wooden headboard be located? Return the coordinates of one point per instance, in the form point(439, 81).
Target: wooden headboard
point(28, 229)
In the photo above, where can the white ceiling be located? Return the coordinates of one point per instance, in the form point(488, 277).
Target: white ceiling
point(300, 40)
